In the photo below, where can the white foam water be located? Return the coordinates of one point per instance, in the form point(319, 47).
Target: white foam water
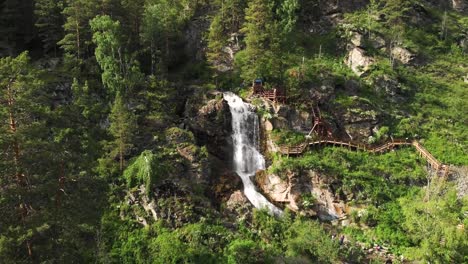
point(247, 158)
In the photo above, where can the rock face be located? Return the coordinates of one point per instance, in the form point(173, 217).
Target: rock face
point(292, 190)
point(194, 36)
point(357, 39)
point(324, 91)
point(168, 202)
point(358, 61)
point(322, 16)
point(328, 205)
point(285, 117)
point(211, 126)
point(225, 62)
point(358, 123)
point(460, 177)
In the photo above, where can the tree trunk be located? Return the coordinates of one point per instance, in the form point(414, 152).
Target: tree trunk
point(16, 149)
point(121, 149)
point(77, 24)
point(20, 178)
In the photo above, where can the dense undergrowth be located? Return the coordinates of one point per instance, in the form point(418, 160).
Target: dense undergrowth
point(93, 102)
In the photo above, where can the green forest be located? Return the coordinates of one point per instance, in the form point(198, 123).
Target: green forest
point(118, 145)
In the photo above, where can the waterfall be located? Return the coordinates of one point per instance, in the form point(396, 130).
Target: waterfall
point(247, 158)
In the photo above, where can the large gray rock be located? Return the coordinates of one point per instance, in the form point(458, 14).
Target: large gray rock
point(364, 41)
point(288, 118)
point(357, 39)
point(358, 61)
point(403, 55)
point(376, 41)
point(459, 5)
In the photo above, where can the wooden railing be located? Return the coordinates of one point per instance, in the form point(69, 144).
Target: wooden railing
point(274, 95)
point(299, 149)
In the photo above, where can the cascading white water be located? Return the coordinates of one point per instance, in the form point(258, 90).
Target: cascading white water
point(247, 158)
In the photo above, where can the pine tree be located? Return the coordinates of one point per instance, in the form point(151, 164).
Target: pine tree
point(49, 23)
point(123, 125)
point(23, 137)
point(162, 21)
point(77, 39)
point(258, 30)
point(216, 39)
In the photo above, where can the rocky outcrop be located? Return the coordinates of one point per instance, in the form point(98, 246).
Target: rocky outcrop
point(358, 61)
point(459, 175)
point(358, 119)
point(225, 62)
point(320, 16)
point(365, 41)
point(305, 192)
point(170, 203)
point(403, 55)
point(211, 125)
point(323, 91)
point(328, 205)
point(281, 116)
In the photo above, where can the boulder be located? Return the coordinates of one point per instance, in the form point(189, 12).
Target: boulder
point(459, 5)
point(268, 125)
point(357, 39)
point(403, 55)
point(358, 61)
point(237, 199)
point(376, 41)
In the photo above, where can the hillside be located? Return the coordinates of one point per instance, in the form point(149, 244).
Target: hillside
point(233, 131)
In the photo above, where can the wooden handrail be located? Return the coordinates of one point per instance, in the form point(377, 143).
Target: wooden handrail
point(437, 165)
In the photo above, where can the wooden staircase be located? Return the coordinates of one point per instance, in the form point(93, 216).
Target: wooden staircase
point(440, 168)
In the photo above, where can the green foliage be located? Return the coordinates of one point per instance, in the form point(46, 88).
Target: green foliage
point(287, 137)
point(49, 23)
point(178, 136)
point(377, 178)
point(162, 22)
point(120, 73)
point(147, 169)
point(77, 39)
point(266, 26)
point(123, 126)
point(307, 239)
point(64, 127)
point(432, 225)
point(245, 251)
